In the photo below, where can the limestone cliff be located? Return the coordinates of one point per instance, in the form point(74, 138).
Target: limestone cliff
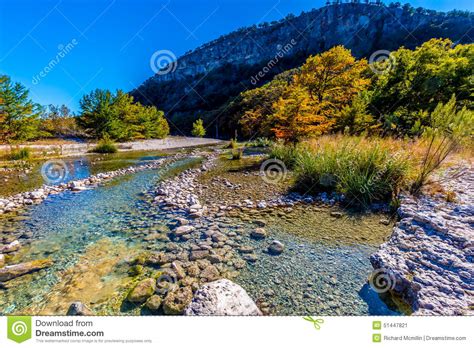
point(221, 69)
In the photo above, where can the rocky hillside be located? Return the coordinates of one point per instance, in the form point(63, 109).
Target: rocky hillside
point(205, 79)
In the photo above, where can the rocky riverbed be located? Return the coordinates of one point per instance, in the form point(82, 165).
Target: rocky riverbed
point(428, 261)
point(152, 241)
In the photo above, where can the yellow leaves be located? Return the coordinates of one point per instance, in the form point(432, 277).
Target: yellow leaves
point(326, 84)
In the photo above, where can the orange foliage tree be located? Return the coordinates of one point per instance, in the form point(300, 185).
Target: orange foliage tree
point(326, 84)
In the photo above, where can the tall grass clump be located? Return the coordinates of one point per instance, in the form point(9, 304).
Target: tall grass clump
point(19, 154)
point(450, 127)
point(287, 153)
point(237, 154)
point(364, 170)
point(233, 144)
point(105, 145)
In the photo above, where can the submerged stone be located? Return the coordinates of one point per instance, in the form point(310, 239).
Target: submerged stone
point(80, 309)
point(176, 301)
point(14, 271)
point(142, 291)
point(222, 297)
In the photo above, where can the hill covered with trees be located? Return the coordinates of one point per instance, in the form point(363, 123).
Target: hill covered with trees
point(204, 81)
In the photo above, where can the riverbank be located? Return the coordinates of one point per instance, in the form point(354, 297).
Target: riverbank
point(79, 148)
point(427, 263)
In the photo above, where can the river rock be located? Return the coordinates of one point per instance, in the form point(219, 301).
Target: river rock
point(142, 291)
point(198, 254)
point(154, 303)
point(193, 270)
point(182, 222)
point(276, 248)
point(210, 273)
point(2, 260)
point(178, 270)
point(80, 309)
point(336, 214)
point(159, 259)
point(258, 233)
point(14, 271)
point(176, 301)
point(222, 297)
point(9, 248)
point(183, 230)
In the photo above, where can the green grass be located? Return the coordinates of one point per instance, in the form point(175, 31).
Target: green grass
point(364, 171)
point(260, 142)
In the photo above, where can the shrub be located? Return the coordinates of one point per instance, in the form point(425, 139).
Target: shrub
point(19, 154)
point(286, 153)
point(198, 129)
point(105, 146)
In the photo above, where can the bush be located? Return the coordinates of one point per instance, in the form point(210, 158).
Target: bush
point(449, 129)
point(19, 154)
point(105, 146)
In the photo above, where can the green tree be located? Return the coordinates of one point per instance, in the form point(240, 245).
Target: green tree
point(418, 80)
point(99, 117)
point(18, 113)
point(198, 129)
point(120, 118)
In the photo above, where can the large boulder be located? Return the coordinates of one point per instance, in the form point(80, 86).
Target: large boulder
point(222, 297)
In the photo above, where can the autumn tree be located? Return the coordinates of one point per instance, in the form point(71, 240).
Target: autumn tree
point(256, 106)
point(313, 103)
point(58, 121)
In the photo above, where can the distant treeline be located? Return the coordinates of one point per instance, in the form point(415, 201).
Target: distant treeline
point(103, 114)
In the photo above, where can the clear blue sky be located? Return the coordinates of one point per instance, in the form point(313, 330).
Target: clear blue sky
point(111, 41)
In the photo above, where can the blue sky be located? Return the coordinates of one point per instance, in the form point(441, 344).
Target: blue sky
point(109, 42)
